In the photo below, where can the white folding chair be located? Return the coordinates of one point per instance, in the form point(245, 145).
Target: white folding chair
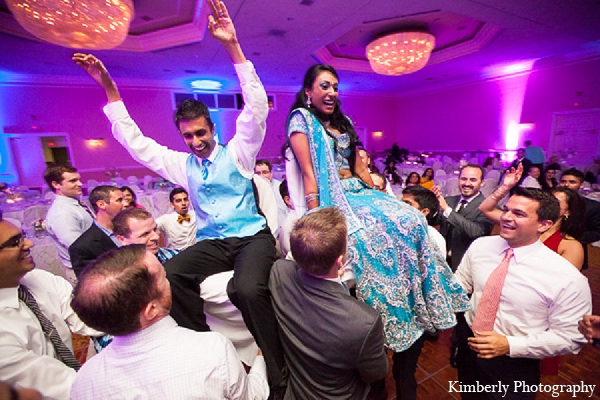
point(225, 318)
point(132, 180)
point(488, 186)
point(161, 203)
point(493, 174)
point(452, 186)
point(147, 182)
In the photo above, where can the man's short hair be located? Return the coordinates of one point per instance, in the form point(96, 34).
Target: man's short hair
point(479, 167)
point(574, 172)
point(548, 205)
point(175, 192)
point(425, 199)
point(190, 109)
point(528, 143)
point(121, 220)
point(114, 289)
point(101, 193)
point(264, 162)
point(318, 239)
point(383, 179)
point(54, 173)
point(283, 189)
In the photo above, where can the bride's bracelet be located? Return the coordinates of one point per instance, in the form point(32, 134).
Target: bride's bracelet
point(311, 197)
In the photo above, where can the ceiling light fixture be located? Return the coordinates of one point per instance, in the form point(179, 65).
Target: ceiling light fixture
point(88, 24)
point(400, 53)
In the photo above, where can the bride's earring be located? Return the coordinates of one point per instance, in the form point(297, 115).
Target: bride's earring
point(308, 103)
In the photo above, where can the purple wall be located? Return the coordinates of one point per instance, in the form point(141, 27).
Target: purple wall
point(475, 117)
point(471, 117)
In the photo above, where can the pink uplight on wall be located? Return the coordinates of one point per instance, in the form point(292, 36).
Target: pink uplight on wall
point(377, 134)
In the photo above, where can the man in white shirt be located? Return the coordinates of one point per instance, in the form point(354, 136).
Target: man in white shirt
point(127, 294)
point(264, 169)
point(231, 234)
point(425, 201)
point(29, 358)
point(178, 228)
point(285, 229)
point(67, 217)
point(541, 301)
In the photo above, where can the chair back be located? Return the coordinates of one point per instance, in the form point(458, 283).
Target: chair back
point(132, 179)
point(493, 174)
point(452, 186)
point(91, 184)
point(439, 174)
point(147, 182)
point(489, 184)
point(161, 203)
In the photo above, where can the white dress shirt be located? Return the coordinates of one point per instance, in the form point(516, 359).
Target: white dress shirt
point(65, 222)
point(179, 236)
point(165, 361)
point(530, 182)
point(438, 239)
point(282, 208)
point(170, 164)
point(267, 202)
point(542, 299)
point(27, 357)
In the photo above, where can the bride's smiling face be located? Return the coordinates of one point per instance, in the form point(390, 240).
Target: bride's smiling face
point(324, 93)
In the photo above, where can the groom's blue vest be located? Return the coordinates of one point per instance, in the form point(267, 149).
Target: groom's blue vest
point(224, 202)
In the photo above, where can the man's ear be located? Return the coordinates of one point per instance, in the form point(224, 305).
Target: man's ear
point(101, 204)
point(56, 185)
point(121, 239)
point(172, 206)
point(425, 211)
point(544, 225)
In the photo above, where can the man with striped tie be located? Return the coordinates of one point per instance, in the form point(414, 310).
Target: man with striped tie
point(36, 321)
point(527, 301)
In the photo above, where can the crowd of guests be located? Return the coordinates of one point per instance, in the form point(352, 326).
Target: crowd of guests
point(355, 271)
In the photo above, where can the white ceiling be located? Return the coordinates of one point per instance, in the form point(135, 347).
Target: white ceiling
point(169, 45)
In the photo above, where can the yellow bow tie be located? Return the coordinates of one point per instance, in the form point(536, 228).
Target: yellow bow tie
point(182, 218)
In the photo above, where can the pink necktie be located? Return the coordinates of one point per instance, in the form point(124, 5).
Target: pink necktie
point(485, 316)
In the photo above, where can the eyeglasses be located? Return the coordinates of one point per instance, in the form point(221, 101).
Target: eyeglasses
point(15, 241)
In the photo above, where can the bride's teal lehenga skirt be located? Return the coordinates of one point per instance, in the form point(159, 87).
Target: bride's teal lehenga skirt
point(399, 270)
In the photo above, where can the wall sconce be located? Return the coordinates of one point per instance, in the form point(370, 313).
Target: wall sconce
point(378, 134)
point(95, 143)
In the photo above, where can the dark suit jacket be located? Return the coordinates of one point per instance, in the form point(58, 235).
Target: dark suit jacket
point(592, 226)
point(461, 229)
point(91, 244)
point(333, 343)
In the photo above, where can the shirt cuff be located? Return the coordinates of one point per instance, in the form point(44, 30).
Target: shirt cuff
point(115, 110)
point(517, 346)
point(447, 212)
point(245, 72)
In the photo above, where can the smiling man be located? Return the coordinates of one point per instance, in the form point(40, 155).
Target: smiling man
point(33, 356)
point(178, 228)
point(526, 298)
point(461, 220)
point(136, 226)
point(67, 217)
point(231, 234)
